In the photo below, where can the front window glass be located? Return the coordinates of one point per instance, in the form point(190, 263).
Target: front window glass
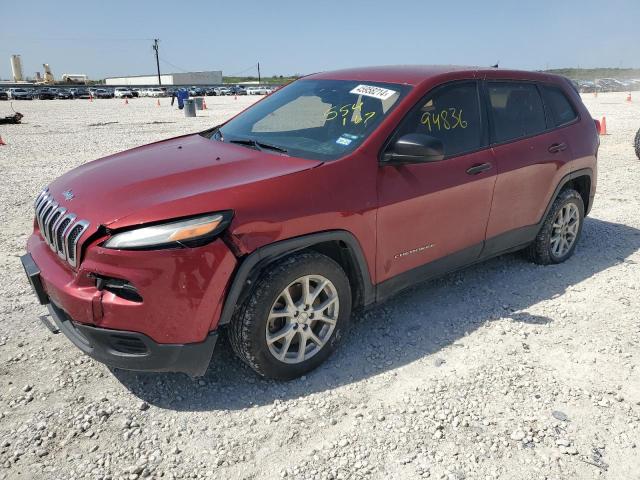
point(452, 115)
point(316, 119)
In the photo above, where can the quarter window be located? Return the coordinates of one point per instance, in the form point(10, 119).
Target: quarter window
point(516, 110)
point(452, 115)
point(562, 111)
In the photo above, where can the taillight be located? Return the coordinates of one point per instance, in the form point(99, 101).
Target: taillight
point(598, 127)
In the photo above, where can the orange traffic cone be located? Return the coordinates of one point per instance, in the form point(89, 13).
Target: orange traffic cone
point(157, 102)
point(204, 104)
point(2, 141)
point(91, 98)
point(629, 97)
point(603, 126)
point(126, 101)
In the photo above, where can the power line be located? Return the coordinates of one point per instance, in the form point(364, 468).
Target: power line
point(252, 67)
point(76, 39)
point(172, 65)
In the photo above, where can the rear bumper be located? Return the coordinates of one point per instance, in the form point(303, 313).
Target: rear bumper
point(132, 350)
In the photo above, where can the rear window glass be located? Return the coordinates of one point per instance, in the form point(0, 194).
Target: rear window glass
point(562, 111)
point(516, 110)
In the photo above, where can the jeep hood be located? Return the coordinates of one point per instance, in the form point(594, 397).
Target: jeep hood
point(168, 179)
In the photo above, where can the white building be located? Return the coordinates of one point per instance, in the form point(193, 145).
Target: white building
point(186, 78)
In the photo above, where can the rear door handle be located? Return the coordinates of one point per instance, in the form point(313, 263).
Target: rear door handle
point(557, 147)
point(476, 169)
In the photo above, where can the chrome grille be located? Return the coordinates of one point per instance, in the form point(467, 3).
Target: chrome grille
point(59, 228)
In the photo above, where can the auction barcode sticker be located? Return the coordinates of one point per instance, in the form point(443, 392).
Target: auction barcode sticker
point(372, 91)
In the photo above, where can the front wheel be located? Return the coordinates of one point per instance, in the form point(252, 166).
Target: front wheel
point(294, 318)
point(636, 143)
point(560, 231)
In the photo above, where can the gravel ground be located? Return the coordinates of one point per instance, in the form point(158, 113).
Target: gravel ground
point(505, 370)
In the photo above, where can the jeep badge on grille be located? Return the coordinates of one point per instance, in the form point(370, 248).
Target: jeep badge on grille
point(68, 195)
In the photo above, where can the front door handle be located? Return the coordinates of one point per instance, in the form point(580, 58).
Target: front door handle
point(557, 147)
point(476, 169)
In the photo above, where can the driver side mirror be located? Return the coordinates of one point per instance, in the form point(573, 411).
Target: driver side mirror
point(414, 148)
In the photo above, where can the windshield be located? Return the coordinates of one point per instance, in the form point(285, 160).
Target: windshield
point(316, 119)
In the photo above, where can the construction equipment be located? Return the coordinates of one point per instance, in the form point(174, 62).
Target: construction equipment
point(74, 78)
point(16, 68)
point(48, 76)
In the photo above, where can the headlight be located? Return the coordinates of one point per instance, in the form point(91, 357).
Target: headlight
point(191, 232)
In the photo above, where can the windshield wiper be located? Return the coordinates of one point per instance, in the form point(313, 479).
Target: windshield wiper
point(258, 145)
point(268, 146)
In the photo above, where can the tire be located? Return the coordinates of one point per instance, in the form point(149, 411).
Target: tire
point(636, 143)
point(557, 233)
point(251, 324)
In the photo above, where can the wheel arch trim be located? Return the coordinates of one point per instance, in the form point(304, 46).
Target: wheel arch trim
point(253, 264)
point(562, 183)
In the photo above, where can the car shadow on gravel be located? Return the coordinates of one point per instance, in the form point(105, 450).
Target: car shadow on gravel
point(413, 325)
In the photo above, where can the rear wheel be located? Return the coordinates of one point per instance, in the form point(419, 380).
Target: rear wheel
point(636, 143)
point(560, 231)
point(294, 318)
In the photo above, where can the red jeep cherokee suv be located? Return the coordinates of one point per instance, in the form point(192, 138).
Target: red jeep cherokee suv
point(331, 194)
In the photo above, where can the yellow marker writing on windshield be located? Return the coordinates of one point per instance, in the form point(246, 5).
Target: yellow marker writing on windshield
point(355, 109)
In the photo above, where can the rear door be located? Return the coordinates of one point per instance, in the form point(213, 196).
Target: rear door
point(431, 211)
point(530, 155)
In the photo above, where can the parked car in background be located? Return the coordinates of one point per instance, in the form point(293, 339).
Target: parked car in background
point(81, 93)
point(586, 86)
point(196, 92)
point(155, 92)
point(122, 92)
point(19, 94)
point(46, 94)
point(217, 91)
point(102, 93)
point(64, 94)
point(237, 90)
point(3, 94)
point(258, 90)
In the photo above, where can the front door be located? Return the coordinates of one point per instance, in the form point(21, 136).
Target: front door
point(432, 217)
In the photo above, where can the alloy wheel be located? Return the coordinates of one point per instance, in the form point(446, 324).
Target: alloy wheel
point(564, 230)
point(302, 319)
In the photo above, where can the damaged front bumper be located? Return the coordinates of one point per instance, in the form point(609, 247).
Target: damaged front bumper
point(171, 326)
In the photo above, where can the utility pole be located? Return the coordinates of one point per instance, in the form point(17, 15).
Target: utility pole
point(155, 47)
point(258, 72)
